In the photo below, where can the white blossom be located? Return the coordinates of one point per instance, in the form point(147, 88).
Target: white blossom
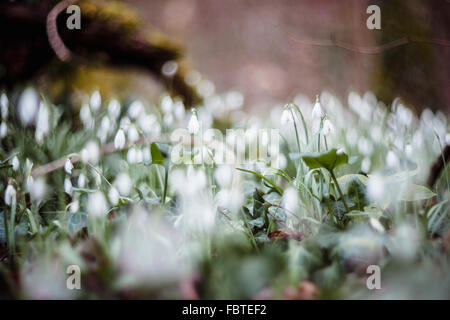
point(67, 186)
point(286, 117)
point(3, 130)
point(317, 112)
point(114, 109)
point(135, 109)
point(10, 193)
point(113, 196)
point(68, 166)
point(15, 163)
point(95, 100)
point(81, 181)
point(28, 105)
point(90, 152)
point(119, 139)
point(4, 102)
point(124, 184)
point(193, 125)
point(133, 134)
point(38, 189)
point(327, 127)
point(97, 205)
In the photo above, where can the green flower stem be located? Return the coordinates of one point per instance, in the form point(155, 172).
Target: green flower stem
point(12, 244)
point(166, 179)
point(339, 190)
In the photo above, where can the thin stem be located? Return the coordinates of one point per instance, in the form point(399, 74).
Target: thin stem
point(339, 190)
point(166, 178)
point(11, 233)
point(5, 222)
point(296, 131)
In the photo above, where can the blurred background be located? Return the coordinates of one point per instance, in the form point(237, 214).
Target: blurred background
point(272, 50)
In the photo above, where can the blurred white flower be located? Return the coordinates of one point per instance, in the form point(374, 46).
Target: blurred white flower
point(90, 152)
point(81, 181)
point(290, 199)
point(119, 139)
point(133, 134)
point(193, 125)
point(405, 242)
point(317, 112)
point(169, 68)
point(365, 146)
point(135, 109)
point(376, 188)
point(327, 127)
point(286, 117)
point(179, 110)
point(376, 225)
point(15, 163)
point(67, 186)
point(29, 183)
point(113, 196)
point(124, 184)
point(43, 122)
point(114, 109)
point(132, 155)
point(74, 206)
point(86, 116)
point(365, 164)
point(3, 130)
point(95, 100)
point(234, 100)
point(148, 123)
point(392, 159)
point(10, 193)
point(224, 176)
point(166, 104)
point(230, 199)
point(97, 205)
point(28, 105)
point(38, 189)
point(4, 103)
point(68, 166)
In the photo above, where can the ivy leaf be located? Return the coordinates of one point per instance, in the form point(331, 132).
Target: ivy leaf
point(328, 160)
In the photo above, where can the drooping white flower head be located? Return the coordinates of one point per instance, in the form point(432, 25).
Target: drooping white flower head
point(114, 109)
point(10, 194)
point(124, 184)
point(3, 130)
point(290, 199)
point(38, 189)
point(286, 117)
point(376, 188)
point(74, 206)
point(67, 186)
point(166, 104)
point(81, 180)
point(90, 152)
point(327, 127)
point(15, 163)
point(4, 104)
point(179, 110)
point(113, 196)
point(68, 166)
point(224, 176)
point(95, 100)
point(135, 109)
point(97, 205)
point(133, 134)
point(28, 105)
point(193, 125)
point(86, 116)
point(392, 159)
point(119, 139)
point(317, 111)
point(43, 122)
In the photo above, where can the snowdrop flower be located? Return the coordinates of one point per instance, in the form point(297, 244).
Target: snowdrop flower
point(10, 194)
point(97, 205)
point(133, 134)
point(224, 176)
point(147, 123)
point(113, 196)
point(3, 130)
point(376, 188)
point(408, 150)
point(290, 199)
point(168, 119)
point(124, 184)
point(90, 152)
point(230, 198)
point(392, 159)
point(405, 242)
point(193, 125)
point(286, 117)
point(86, 116)
point(365, 164)
point(43, 122)
point(96, 100)
point(234, 100)
point(74, 206)
point(376, 225)
point(67, 186)
point(68, 166)
point(179, 110)
point(28, 105)
point(38, 189)
point(29, 183)
point(81, 181)
point(114, 109)
point(131, 155)
point(135, 109)
point(4, 102)
point(447, 139)
point(327, 127)
point(15, 163)
point(365, 146)
point(166, 104)
point(119, 139)
point(317, 111)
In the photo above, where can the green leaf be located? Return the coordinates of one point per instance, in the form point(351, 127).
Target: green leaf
point(275, 187)
point(414, 192)
point(328, 160)
point(157, 155)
